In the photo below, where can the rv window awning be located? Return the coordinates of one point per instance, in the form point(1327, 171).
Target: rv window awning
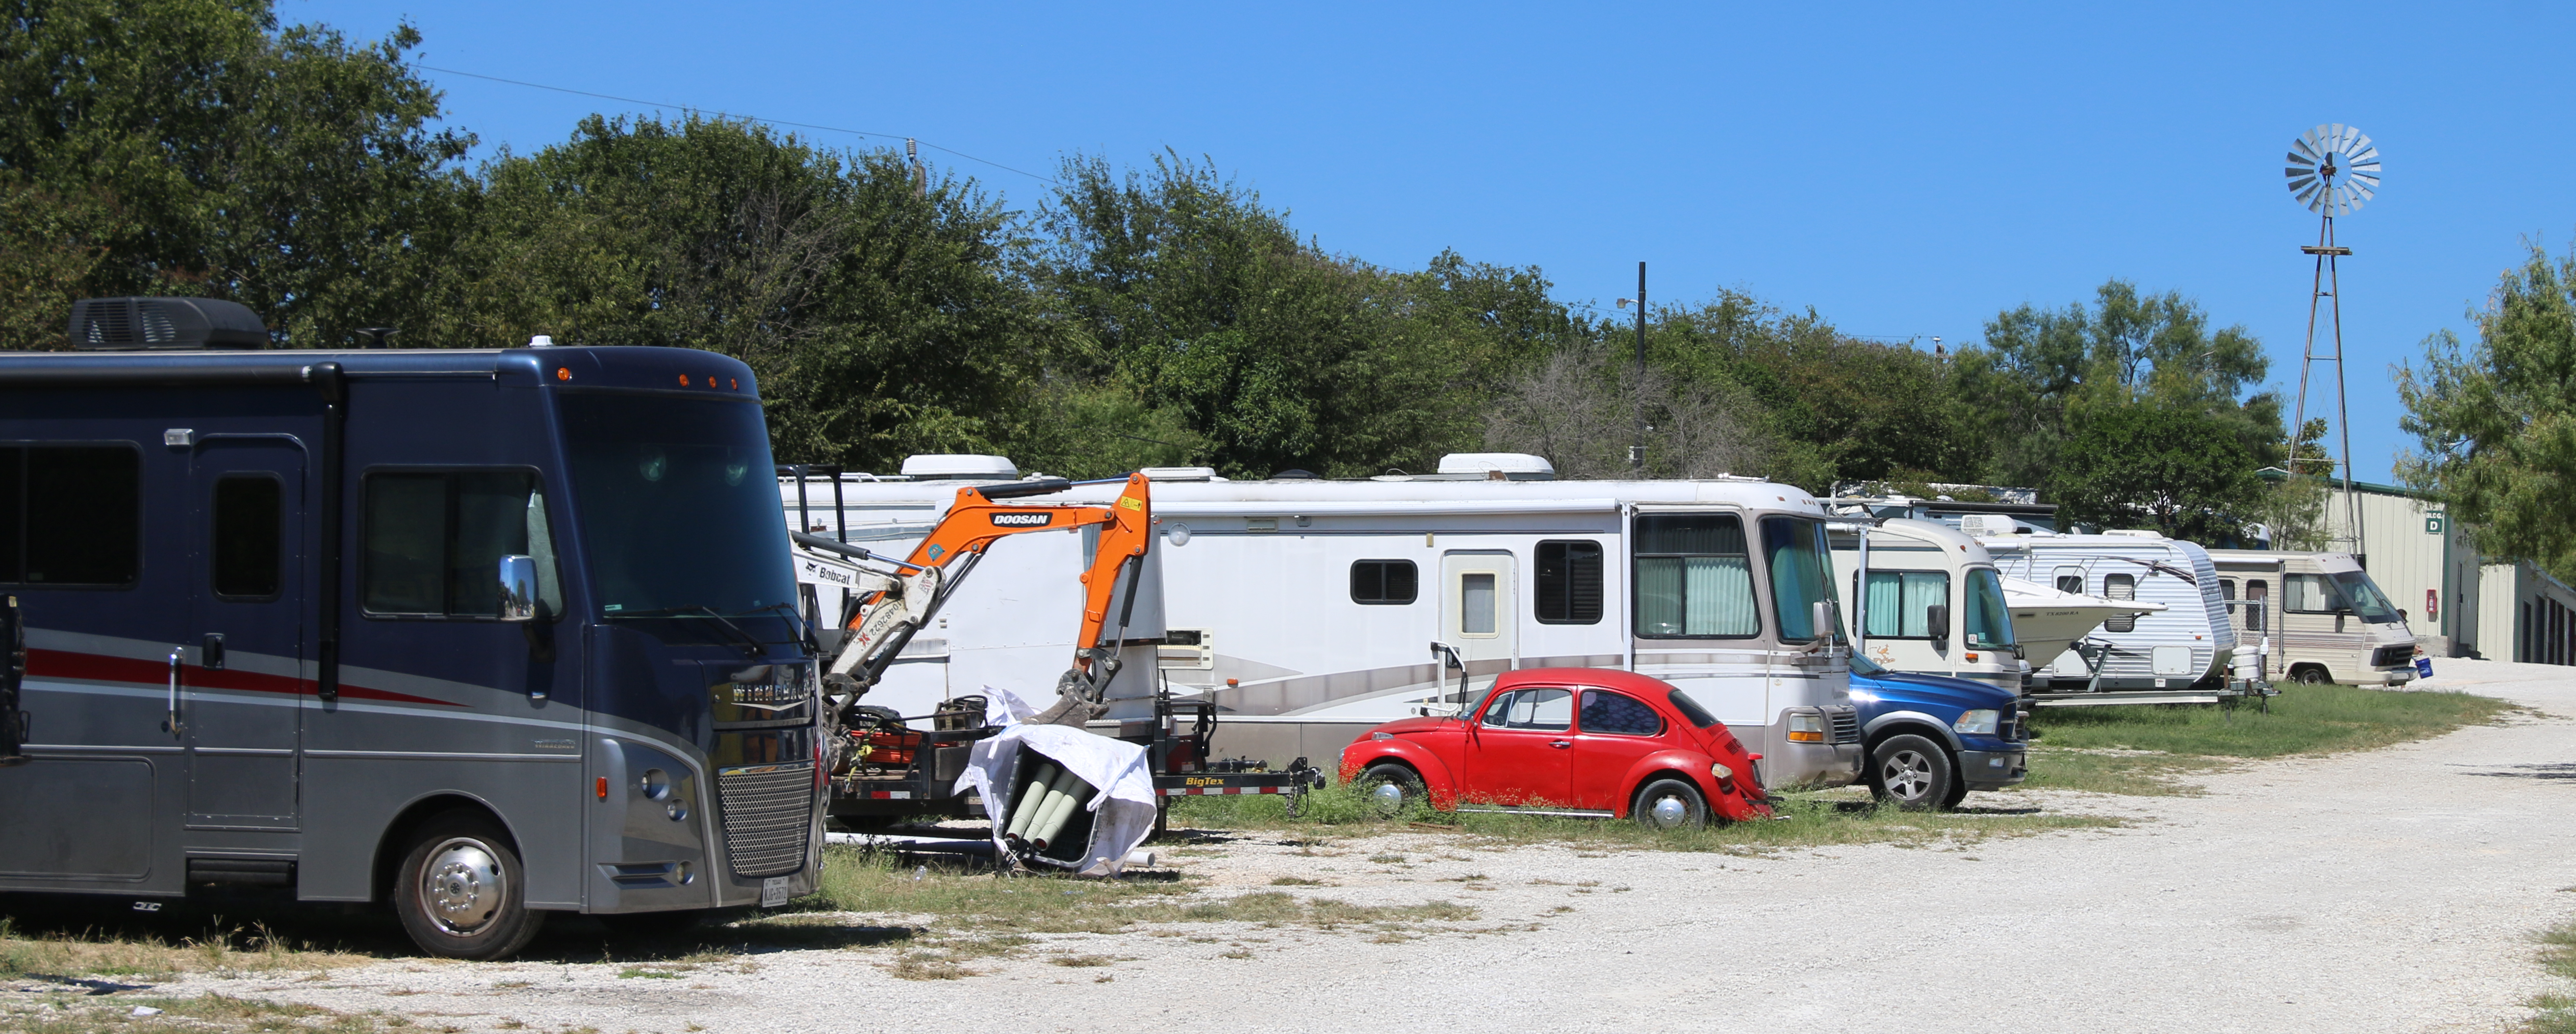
point(1383, 507)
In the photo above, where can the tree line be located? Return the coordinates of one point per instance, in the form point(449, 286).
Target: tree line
point(1140, 315)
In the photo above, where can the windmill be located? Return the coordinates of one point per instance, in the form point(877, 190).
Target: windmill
point(2333, 170)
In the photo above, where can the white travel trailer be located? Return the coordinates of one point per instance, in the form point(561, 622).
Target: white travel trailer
point(2327, 620)
point(1933, 602)
point(1311, 610)
point(2189, 645)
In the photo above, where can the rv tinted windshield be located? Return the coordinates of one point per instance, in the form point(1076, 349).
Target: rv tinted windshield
point(1800, 576)
point(2363, 596)
point(1988, 623)
point(679, 511)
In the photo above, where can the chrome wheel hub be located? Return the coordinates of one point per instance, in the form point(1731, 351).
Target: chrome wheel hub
point(1907, 775)
point(1668, 812)
point(1388, 796)
point(461, 886)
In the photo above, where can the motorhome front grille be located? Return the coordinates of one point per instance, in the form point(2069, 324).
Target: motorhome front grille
point(1846, 726)
point(2392, 656)
point(768, 812)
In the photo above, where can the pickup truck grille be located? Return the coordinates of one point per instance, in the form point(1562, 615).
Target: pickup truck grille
point(1846, 725)
point(768, 810)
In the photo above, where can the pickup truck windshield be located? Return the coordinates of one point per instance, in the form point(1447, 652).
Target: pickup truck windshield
point(679, 515)
point(1988, 623)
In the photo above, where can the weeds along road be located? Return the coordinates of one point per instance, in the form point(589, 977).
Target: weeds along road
point(2389, 890)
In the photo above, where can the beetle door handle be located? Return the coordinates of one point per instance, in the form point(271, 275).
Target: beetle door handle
point(1560, 744)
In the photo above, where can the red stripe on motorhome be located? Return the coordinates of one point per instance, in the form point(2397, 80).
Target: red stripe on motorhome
point(95, 667)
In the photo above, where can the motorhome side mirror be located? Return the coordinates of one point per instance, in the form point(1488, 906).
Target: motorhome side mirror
point(1937, 618)
point(1821, 619)
point(518, 588)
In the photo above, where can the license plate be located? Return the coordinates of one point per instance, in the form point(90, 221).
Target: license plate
point(773, 892)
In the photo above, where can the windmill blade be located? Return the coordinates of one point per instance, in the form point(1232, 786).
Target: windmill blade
point(2361, 149)
point(2302, 183)
point(2302, 148)
point(2301, 159)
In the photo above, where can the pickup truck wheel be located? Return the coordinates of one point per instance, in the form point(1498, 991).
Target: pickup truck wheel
point(462, 893)
point(1669, 804)
point(1394, 788)
point(1913, 772)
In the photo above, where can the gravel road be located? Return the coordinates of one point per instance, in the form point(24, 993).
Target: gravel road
point(2394, 890)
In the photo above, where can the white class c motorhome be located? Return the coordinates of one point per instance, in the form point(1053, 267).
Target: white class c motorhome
point(1311, 610)
point(1932, 602)
point(2328, 622)
point(2190, 644)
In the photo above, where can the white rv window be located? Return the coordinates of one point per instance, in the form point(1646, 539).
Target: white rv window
point(1694, 577)
point(2309, 594)
point(1900, 603)
point(1383, 581)
point(2070, 579)
point(1476, 603)
point(1569, 583)
point(70, 515)
point(2120, 587)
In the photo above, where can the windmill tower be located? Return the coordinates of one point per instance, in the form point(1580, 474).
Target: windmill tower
point(2333, 170)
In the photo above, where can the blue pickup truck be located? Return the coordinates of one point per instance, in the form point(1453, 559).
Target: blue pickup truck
point(1932, 738)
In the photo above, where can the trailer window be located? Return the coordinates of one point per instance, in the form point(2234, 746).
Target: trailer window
point(2120, 587)
point(1382, 582)
point(1694, 577)
point(2070, 579)
point(434, 541)
point(70, 515)
point(248, 521)
point(1900, 603)
point(1569, 583)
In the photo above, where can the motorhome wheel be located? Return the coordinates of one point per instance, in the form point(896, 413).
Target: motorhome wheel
point(462, 893)
point(2310, 675)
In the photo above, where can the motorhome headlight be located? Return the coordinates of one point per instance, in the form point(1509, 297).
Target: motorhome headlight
point(1806, 727)
point(1981, 721)
point(655, 784)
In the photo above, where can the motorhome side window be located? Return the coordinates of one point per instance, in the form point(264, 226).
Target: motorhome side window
point(2257, 595)
point(70, 515)
point(1383, 581)
point(1694, 577)
point(1900, 602)
point(2309, 594)
point(434, 541)
point(2120, 587)
point(1569, 583)
point(248, 521)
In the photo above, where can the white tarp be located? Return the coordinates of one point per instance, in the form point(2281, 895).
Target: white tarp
point(1123, 810)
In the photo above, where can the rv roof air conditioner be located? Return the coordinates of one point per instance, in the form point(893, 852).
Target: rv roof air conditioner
point(960, 467)
point(1513, 466)
point(163, 325)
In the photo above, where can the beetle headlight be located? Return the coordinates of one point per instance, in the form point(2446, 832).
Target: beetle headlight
point(1981, 721)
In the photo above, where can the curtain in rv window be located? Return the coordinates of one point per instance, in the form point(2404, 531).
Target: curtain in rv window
point(1900, 602)
point(1694, 577)
point(2310, 594)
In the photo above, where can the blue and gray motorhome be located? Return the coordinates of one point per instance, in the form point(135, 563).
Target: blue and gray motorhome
point(479, 634)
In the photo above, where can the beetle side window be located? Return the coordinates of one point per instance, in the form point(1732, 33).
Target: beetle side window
point(71, 515)
point(1618, 714)
point(1498, 709)
point(1383, 581)
point(1550, 710)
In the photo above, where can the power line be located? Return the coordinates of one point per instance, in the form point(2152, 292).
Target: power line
point(727, 114)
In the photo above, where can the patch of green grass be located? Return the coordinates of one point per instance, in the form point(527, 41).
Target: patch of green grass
point(220, 1014)
point(2555, 1013)
point(2145, 774)
point(87, 951)
point(2302, 720)
point(855, 880)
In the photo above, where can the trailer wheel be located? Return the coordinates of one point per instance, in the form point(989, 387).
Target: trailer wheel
point(461, 892)
point(1393, 787)
point(1913, 772)
point(1669, 804)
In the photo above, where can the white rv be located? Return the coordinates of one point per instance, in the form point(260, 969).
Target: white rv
point(2190, 644)
point(1311, 610)
point(2327, 620)
point(1932, 602)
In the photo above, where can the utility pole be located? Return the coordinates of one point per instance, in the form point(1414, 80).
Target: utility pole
point(1637, 386)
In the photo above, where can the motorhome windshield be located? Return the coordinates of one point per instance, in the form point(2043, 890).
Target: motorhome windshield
point(2364, 597)
point(1987, 622)
point(680, 515)
point(1795, 550)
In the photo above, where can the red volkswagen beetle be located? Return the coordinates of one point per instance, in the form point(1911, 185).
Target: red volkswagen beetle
point(1567, 741)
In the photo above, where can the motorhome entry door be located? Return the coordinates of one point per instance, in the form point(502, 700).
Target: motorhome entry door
point(239, 702)
point(1476, 615)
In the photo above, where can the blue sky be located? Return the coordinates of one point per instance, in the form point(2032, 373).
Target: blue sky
point(1904, 170)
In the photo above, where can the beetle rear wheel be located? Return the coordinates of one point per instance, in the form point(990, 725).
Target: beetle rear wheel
point(1669, 804)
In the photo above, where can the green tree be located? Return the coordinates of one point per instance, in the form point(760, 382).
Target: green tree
point(203, 150)
point(2182, 470)
point(883, 314)
point(2496, 421)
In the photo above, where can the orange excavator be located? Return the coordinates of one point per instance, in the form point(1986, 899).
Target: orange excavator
point(892, 605)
